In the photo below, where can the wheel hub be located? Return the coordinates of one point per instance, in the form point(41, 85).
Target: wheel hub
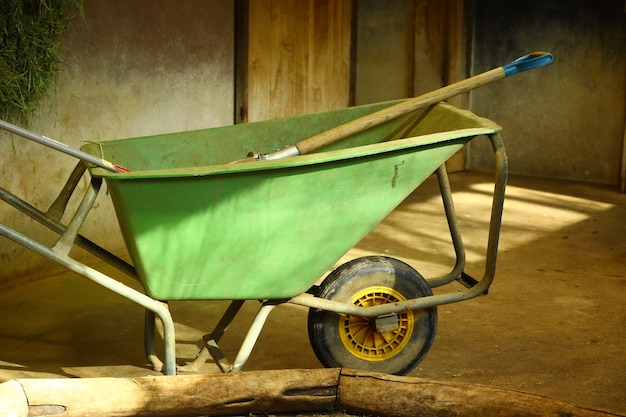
point(376, 339)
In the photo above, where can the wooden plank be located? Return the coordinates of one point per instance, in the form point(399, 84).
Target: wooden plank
point(299, 57)
point(259, 59)
point(301, 30)
point(242, 26)
point(281, 62)
point(429, 42)
point(320, 57)
point(340, 62)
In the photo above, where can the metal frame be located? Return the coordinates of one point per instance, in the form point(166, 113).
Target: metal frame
point(59, 252)
point(68, 236)
point(475, 288)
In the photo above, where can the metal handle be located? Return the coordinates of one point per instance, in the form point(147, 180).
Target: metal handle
point(61, 147)
point(528, 62)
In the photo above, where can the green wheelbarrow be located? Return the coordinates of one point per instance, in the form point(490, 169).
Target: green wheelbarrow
point(200, 227)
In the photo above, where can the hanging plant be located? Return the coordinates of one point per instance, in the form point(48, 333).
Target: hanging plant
point(30, 33)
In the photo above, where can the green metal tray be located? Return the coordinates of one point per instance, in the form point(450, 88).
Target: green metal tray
point(198, 228)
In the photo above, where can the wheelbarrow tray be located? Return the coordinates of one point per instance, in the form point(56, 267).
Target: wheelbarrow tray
point(198, 227)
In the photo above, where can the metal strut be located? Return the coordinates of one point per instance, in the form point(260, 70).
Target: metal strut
point(501, 174)
point(211, 348)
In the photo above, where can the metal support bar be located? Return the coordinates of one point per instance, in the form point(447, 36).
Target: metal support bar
point(148, 340)
point(57, 227)
point(253, 335)
point(497, 206)
point(66, 241)
point(210, 347)
point(57, 208)
point(225, 320)
point(453, 226)
point(218, 356)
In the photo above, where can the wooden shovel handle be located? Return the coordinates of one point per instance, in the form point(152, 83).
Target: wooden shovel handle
point(342, 131)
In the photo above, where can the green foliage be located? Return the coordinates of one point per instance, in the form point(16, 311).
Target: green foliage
point(29, 52)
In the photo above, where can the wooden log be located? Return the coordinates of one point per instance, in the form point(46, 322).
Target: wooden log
point(292, 391)
point(318, 391)
point(376, 394)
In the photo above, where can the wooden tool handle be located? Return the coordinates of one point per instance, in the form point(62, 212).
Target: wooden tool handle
point(340, 132)
point(524, 63)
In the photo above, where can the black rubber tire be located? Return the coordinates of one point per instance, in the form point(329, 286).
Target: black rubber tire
point(378, 279)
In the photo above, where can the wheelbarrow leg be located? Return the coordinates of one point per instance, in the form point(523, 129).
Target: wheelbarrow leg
point(453, 226)
point(149, 337)
point(210, 347)
point(210, 340)
point(252, 336)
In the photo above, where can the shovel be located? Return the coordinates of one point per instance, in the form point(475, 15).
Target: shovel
point(524, 63)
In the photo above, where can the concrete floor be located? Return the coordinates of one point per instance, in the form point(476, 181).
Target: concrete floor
point(553, 322)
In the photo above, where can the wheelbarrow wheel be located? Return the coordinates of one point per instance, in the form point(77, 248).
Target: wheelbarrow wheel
point(393, 344)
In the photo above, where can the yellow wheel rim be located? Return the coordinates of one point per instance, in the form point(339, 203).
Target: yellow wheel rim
point(359, 335)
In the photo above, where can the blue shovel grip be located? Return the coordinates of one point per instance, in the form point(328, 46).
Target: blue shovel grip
point(528, 62)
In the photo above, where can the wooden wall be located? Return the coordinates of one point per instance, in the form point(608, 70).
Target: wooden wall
point(294, 57)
